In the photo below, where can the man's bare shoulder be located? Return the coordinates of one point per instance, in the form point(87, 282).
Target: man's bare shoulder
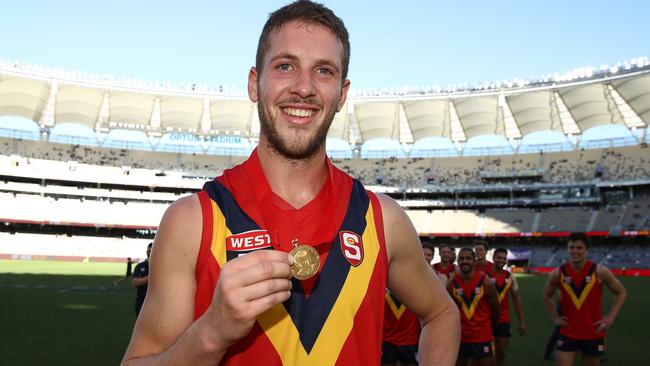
point(180, 228)
point(390, 208)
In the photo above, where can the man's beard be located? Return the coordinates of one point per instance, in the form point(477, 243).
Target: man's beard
point(293, 147)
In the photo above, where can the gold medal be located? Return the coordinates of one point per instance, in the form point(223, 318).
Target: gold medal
point(306, 261)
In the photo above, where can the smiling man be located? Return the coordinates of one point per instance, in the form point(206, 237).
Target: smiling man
point(582, 325)
point(285, 259)
point(476, 297)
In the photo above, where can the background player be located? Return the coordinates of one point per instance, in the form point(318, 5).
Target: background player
point(582, 325)
point(446, 265)
point(482, 264)
point(507, 286)
point(476, 297)
point(399, 345)
point(141, 281)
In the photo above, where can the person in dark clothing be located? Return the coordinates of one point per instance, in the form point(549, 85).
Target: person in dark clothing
point(141, 280)
point(129, 272)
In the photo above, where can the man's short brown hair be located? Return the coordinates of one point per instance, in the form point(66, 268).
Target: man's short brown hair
point(310, 13)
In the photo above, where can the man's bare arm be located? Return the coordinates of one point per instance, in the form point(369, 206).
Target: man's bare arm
point(492, 297)
point(165, 333)
point(516, 300)
point(620, 294)
point(547, 296)
point(139, 281)
point(417, 286)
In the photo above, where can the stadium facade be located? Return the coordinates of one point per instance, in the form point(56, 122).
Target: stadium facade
point(90, 162)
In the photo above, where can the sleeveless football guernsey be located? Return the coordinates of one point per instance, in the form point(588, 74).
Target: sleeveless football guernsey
point(503, 282)
point(581, 301)
point(475, 323)
point(334, 318)
point(401, 326)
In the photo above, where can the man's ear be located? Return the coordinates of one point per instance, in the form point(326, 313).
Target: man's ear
point(252, 84)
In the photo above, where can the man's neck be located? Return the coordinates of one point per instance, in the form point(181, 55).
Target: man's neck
point(295, 181)
point(467, 276)
point(578, 266)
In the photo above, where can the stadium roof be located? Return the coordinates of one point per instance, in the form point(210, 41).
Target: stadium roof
point(512, 110)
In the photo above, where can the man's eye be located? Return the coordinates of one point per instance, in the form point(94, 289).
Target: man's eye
point(284, 67)
point(324, 71)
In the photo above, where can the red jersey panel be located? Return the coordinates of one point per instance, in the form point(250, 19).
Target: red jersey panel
point(447, 271)
point(487, 268)
point(475, 323)
point(503, 281)
point(333, 318)
point(581, 301)
point(401, 326)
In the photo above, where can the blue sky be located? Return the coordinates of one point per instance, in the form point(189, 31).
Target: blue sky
point(394, 43)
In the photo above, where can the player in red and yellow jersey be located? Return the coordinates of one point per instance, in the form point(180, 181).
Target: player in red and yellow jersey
point(223, 287)
point(477, 299)
point(401, 334)
point(482, 264)
point(507, 286)
point(582, 325)
point(446, 265)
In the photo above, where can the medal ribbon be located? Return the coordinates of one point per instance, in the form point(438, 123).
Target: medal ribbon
point(264, 197)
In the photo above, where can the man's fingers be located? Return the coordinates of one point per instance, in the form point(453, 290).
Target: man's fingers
point(260, 272)
point(251, 259)
point(262, 304)
point(266, 288)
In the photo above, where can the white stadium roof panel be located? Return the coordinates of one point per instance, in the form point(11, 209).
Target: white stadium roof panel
point(514, 111)
point(534, 111)
point(339, 129)
point(23, 97)
point(231, 115)
point(428, 118)
point(636, 92)
point(181, 112)
point(478, 116)
point(77, 104)
point(133, 108)
point(591, 105)
point(377, 120)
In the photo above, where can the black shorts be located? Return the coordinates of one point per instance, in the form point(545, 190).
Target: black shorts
point(588, 347)
point(391, 353)
point(475, 350)
point(502, 330)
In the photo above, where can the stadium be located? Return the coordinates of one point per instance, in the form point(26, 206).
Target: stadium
point(89, 163)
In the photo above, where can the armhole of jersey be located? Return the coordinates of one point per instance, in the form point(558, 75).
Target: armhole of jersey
point(206, 233)
point(379, 224)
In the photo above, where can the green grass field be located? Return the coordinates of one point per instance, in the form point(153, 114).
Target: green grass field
point(62, 313)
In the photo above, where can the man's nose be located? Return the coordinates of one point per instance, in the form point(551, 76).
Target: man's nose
point(304, 84)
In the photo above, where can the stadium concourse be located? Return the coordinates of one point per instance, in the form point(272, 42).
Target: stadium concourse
point(88, 163)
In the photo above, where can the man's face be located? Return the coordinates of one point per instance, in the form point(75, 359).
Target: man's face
point(465, 261)
point(299, 89)
point(500, 259)
point(428, 255)
point(577, 251)
point(480, 252)
point(445, 255)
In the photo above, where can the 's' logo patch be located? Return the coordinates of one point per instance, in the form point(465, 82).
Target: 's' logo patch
point(352, 247)
point(249, 240)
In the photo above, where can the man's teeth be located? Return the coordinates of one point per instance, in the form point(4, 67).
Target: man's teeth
point(296, 112)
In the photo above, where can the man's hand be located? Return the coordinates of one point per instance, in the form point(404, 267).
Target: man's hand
point(604, 323)
point(560, 321)
point(247, 287)
point(522, 328)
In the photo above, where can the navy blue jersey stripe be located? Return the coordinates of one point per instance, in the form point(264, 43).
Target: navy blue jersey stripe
point(310, 314)
point(236, 219)
point(395, 300)
point(577, 290)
